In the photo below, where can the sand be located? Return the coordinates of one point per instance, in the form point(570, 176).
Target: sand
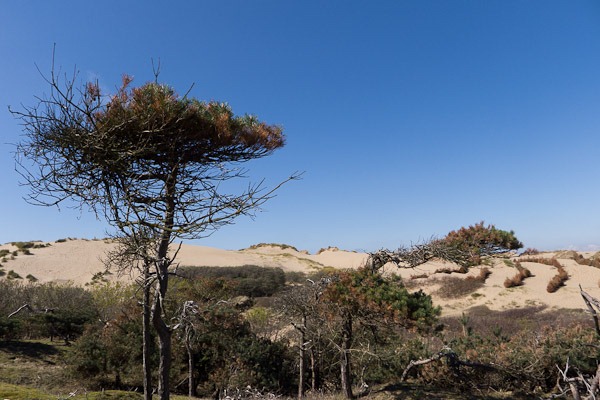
point(78, 261)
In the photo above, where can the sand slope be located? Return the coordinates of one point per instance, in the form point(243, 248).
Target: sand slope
point(78, 260)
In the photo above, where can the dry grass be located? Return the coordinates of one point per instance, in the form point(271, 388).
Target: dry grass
point(461, 270)
point(454, 288)
point(517, 280)
point(484, 273)
point(557, 280)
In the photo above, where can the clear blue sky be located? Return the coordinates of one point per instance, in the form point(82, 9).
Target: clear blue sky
point(410, 118)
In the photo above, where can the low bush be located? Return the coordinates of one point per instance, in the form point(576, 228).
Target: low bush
point(591, 262)
point(557, 280)
point(484, 273)
point(250, 280)
point(295, 277)
point(460, 270)
point(280, 245)
point(553, 262)
point(453, 288)
point(514, 351)
point(13, 275)
point(526, 273)
point(517, 280)
point(530, 252)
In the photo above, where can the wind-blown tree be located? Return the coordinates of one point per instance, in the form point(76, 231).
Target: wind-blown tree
point(465, 246)
point(154, 164)
point(478, 241)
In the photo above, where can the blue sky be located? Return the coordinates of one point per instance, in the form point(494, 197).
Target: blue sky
point(409, 118)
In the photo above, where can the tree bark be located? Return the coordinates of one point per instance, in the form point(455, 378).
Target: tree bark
point(191, 383)
point(313, 371)
point(301, 367)
point(146, 337)
point(346, 377)
point(164, 339)
point(162, 285)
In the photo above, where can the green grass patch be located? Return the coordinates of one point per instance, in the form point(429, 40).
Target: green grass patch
point(19, 392)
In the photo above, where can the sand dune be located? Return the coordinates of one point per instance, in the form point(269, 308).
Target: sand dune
point(79, 260)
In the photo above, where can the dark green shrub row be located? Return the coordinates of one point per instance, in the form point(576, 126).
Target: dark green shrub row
point(249, 280)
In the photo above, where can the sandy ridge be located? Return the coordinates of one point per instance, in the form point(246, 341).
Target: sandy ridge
point(79, 260)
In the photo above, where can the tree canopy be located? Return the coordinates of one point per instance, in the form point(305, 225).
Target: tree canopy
point(144, 151)
point(479, 240)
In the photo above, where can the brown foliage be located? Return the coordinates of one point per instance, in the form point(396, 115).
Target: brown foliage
point(484, 273)
point(530, 252)
point(461, 270)
point(454, 288)
point(557, 280)
point(592, 262)
point(542, 260)
point(517, 280)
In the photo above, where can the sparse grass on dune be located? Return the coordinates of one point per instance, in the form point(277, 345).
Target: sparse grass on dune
point(282, 246)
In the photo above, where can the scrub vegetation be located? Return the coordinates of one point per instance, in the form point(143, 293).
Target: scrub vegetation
point(354, 332)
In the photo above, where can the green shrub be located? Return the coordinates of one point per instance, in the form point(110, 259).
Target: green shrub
point(295, 277)
point(9, 328)
point(516, 350)
point(23, 245)
point(31, 278)
point(280, 245)
point(250, 280)
point(13, 275)
point(4, 252)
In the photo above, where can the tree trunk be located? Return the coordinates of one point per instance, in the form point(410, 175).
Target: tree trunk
point(146, 337)
point(313, 370)
point(301, 367)
point(162, 269)
point(191, 383)
point(164, 334)
point(346, 377)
